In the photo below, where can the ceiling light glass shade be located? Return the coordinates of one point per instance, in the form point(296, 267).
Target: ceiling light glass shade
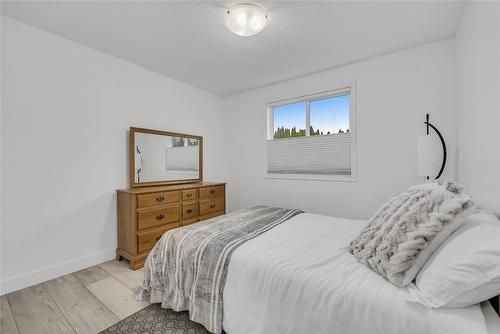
point(245, 19)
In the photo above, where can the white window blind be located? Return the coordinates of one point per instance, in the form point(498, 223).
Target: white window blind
point(330, 154)
point(182, 158)
point(320, 140)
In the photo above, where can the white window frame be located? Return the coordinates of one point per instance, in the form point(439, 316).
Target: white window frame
point(337, 91)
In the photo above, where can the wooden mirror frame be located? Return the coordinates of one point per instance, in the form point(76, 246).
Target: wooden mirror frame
point(133, 131)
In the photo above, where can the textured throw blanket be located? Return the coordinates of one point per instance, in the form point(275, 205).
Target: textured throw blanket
point(405, 231)
point(187, 268)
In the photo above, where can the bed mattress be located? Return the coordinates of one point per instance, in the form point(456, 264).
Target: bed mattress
point(299, 278)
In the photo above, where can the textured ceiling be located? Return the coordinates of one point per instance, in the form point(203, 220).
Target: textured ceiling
point(188, 41)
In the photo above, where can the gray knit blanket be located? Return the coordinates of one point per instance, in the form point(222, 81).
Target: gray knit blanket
point(404, 232)
point(187, 268)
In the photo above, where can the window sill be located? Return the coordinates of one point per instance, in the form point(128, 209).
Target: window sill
point(312, 177)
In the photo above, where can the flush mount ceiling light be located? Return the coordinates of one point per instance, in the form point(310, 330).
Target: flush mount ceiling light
point(245, 19)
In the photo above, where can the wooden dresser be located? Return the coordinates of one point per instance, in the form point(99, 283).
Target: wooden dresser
point(145, 213)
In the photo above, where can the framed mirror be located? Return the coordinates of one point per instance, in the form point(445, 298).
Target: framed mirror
point(161, 157)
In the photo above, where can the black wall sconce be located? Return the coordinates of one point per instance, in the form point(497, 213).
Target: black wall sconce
point(427, 152)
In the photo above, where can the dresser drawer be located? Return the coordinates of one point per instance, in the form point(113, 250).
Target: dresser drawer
point(211, 205)
point(189, 210)
point(154, 199)
point(147, 240)
point(158, 216)
point(189, 221)
point(210, 215)
point(190, 194)
point(211, 192)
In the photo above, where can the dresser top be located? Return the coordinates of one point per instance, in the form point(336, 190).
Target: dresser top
point(153, 189)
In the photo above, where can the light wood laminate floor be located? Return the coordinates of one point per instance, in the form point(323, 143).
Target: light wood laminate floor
point(85, 302)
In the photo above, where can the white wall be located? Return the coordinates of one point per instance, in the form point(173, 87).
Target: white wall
point(65, 114)
point(1, 94)
point(394, 92)
point(478, 97)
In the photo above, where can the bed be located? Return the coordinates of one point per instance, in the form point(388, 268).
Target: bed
point(299, 278)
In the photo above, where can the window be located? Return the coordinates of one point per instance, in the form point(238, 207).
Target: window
point(312, 137)
point(289, 120)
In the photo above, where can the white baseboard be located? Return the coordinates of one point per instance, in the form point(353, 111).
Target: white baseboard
point(41, 275)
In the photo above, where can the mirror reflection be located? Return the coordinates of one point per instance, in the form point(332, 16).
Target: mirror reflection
point(165, 158)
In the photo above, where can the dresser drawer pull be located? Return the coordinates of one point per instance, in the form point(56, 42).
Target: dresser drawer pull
point(189, 210)
point(189, 195)
point(212, 206)
point(160, 199)
point(158, 238)
point(160, 216)
point(212, 191)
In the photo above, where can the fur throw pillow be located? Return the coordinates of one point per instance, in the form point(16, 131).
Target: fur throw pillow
point(405, 231)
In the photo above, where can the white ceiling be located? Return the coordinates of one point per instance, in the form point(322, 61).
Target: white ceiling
point(188, 41)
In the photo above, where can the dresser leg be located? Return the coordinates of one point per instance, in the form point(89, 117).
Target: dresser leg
point(118, 256)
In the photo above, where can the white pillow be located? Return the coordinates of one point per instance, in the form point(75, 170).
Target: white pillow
point(405, 231)
point(465, 269)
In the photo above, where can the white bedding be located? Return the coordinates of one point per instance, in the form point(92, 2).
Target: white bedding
point(299, 278)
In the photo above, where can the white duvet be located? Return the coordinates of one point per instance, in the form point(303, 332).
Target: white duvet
point(299, 278)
